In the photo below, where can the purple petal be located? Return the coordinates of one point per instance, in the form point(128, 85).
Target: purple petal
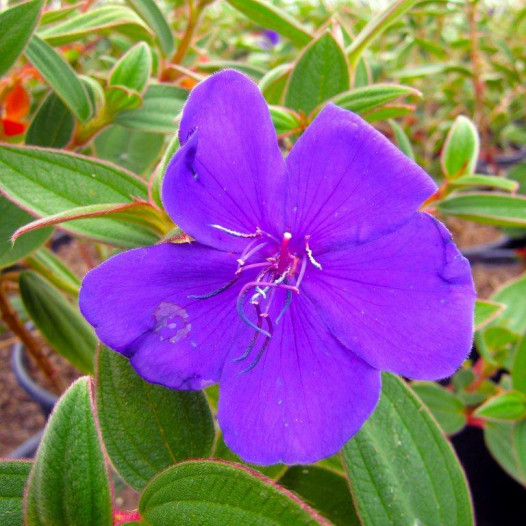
point(403, 302)
point(348, 183)
point(305, 398)
point(230, 171)
point(138, 302)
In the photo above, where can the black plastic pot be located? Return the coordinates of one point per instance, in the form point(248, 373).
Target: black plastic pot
point(500, 252)
point(44, 398)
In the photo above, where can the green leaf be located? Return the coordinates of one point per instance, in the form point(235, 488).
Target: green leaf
point(223, 452)
point(156, 181)
point(490, 209)
point(401, 468)
point(216, 493)
point(402, 140)
point(13, 478)
point(58, 321)
point(447, 408)
point(461, 149)
point(273, 84)
point(486, 311)
point(389, 111)
point(56, 15)
point(320, 73)
point(256, 72)
point(60, 76)
point(518, 370)
point(153, 16)
point(369, 98)
point(133, 70)
point(375, 27)
point(68, 484)
point(47, 182)
point(52, 126)
point(271, 17)
point(102, 20)
point(510, 406)
point(12, 218)
point(284, 120)
point(507, 443)
point(500, 183)
point(518, 173)
point(16, 27)
point(147, 428)
point(119, 99)
point(325, 490)
point(162, 103)
point(48, 265)
point(133, 150)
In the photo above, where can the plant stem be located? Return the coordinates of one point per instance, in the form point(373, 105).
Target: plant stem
point(478, 82)
point(11, 319)
point(184, 44)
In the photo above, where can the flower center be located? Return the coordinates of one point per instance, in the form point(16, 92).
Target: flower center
point(282, 270)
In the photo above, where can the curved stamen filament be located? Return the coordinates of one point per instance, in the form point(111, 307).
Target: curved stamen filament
point(213, 293)
point(262, 350)
point(309, 254)
point(249, 252)
point(235, 233)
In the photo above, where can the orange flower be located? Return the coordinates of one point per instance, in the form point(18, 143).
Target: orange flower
point(14, 109)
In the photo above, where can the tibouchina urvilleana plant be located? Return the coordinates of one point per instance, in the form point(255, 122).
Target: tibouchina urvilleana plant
point(307, 276)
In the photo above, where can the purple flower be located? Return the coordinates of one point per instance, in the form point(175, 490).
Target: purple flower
point(307, 277)
point(271, 39)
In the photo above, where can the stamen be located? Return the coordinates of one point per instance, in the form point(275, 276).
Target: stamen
point(243, 293)
point(302, 272)
point(213, 293)
point(288, 301)
point(309, 254)
point(234, 233)
point(254, 338)
point(249, 252)
point(253, 265)
point(261, 351)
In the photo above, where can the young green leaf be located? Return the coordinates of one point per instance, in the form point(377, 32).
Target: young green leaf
point(16, 27)
point(505, 407)
point(486, 311)
point(13, 478)
point(518, 370)
point(216, 493)
point(402, 140)
point(444, 405)
point(58, 321)
point(273, 84)
point(490, 209)
point(53, 124)
point(320, 73)
point(375, 27)
point(369, 98)
point(401, 468)
point(325, 490)
point(162, 103)
point(267, 15)
point(153, 16)
point(69, 484)
point(507, 443)
point(147, 428)
point(156, 181)
point(461, 149)
point(51, 267)
point(119, 99)
point(48, 182)
point(60, 76)
point(13, 218)
point(133, 70)
point(284, 120)
point(500, 183)
point(102, 20)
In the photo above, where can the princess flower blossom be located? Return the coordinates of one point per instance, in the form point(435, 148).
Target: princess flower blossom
point(307, 277)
